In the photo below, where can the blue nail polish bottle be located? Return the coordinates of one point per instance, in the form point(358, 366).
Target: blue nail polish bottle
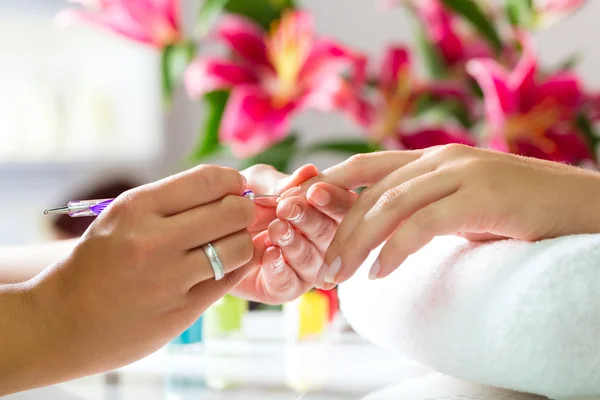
point(190, 339)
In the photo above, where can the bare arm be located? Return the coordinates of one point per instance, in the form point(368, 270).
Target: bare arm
point(21, 263)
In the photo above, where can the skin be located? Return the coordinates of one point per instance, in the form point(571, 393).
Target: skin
point(413, 196)
point(140, 268)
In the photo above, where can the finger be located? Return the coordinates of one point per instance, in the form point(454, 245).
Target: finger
point(297, 251)
point(444, 217)
point(234, 251)
point(314, 225)
point(205, 293)
point(361, 170)
point(218, 219)
point(279, 282)
point(267, 180)
point(394, 207)
point(369, 197)
point(264, 216)
point(331, 200)
point(192, 188)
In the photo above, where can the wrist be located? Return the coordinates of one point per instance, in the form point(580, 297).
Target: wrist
point(33, 355)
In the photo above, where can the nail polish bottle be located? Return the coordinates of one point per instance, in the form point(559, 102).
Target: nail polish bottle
point(306, 317)
point(334, 304)
point(225, 318)
point(190, 340)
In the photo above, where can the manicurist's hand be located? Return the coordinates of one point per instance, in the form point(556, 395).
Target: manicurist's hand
point(137, 278)
point(414, 196)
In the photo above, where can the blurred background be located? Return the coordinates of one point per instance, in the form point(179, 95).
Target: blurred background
point(81, 108)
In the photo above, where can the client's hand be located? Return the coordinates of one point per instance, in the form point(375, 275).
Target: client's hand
point(417, 195)
point(299, 232)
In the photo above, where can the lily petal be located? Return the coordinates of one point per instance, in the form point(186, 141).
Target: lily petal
point(500, 100)
point(395, 65)
point(243, 36)
point(522, 79)
point(125, 28)
point(209, 74)
point(328, 58)
point(251, 123)
point(562, 89)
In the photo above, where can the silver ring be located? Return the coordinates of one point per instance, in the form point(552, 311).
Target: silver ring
point(215, 261)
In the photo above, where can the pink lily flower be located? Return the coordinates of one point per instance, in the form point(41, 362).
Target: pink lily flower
point(152, 22)
point(272, 77)
point(396, 96)
point(448, 33)
point(531, 116)
point(549, 12)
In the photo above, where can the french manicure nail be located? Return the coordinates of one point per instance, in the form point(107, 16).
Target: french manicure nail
point(375, 270)
point(279, 263)
point(319, 196)
point(288, 193)
point(288, 237)
point(295, 214)
point(333, 270)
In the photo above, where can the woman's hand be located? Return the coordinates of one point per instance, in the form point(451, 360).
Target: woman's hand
point(138, 278)
point(416, 195)
point(299, 230)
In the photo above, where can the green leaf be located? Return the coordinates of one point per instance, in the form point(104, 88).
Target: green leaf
point(345, 146)
point(470, 10)
point(208, 143)
point(448, 107)
point(279, 155)
point(174, 61)
point(209, 12)
point(263, 12)
point(587, 129)
point(520, 12)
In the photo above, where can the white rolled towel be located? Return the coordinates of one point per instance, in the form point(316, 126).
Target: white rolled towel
point(516, 315)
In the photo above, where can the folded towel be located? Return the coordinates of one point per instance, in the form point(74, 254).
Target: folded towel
point(516, 315)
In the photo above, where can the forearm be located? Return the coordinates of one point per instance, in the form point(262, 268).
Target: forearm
point(25, 340)
point(19, 264)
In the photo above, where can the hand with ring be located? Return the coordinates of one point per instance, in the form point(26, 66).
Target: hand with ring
point(137, 278)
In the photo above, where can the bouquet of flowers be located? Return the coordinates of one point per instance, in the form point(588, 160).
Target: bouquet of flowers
point(484, 85)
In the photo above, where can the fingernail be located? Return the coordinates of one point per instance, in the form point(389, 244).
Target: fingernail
point(279, 263)
point(288, 193)
point(320, 197)
point(375, 269)
point(295, 213)
point(288, 237)
point(333, 270)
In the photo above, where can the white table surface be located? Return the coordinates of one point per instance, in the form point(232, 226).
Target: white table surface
point(259, 366)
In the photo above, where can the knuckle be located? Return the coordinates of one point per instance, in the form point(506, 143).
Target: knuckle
point(306, 257)
point(388, 199)
point(127, 202)
point(324, 230)
point(358, 161)
point(453, 151)
point(207, 175)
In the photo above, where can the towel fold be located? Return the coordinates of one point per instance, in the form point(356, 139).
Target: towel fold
point(511, 314)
